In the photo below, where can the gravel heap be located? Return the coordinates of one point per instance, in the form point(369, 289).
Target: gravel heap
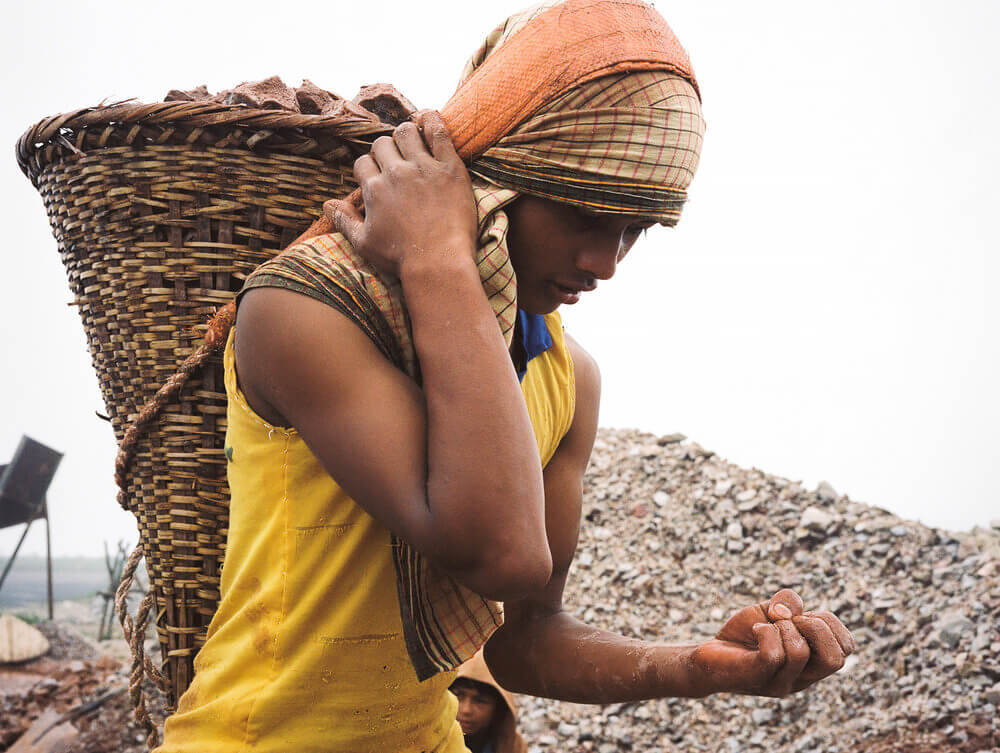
point(668, 524)
point(66, 643)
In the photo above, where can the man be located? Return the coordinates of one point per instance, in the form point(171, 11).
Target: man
point(399, 463)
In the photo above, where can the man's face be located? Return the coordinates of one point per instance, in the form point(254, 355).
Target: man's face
point(559, 251)
point(476, 706)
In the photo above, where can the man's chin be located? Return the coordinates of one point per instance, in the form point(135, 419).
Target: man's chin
point(537, 305)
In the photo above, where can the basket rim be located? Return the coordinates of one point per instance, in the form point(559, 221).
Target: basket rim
point(56, 130)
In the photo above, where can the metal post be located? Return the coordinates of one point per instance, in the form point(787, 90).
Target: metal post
point(32, 519)
point(17, 548)
point(48, 556)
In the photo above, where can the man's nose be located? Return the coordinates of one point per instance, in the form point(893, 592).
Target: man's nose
point(600, 259)
point(463, 706)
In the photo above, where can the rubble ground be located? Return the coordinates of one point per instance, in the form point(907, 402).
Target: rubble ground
point(75, 670)
point(674, 540)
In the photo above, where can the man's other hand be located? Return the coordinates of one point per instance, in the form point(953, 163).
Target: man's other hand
point(418, 198)
point(774, 648)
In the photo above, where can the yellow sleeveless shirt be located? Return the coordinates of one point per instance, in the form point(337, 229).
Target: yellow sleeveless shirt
point(306, 651)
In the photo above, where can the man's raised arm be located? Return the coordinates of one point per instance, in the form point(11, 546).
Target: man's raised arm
point(452, 469)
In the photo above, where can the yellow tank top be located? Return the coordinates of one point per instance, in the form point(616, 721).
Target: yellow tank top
point(306, 651)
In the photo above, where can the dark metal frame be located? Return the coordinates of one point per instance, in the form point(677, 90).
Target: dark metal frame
point(23, 454)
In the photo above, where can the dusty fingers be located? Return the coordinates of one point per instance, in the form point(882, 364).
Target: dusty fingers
point(385, 153)
point(346, 220)
point(826, 654)
point(365, 168)
point(770, 649)
point(794, 649)
point(436, 135)
point(796, 658)
point(410, 143)
point(787, 598)
point(840, 631)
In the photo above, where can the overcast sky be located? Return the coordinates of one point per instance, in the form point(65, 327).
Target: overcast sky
point(825, 310)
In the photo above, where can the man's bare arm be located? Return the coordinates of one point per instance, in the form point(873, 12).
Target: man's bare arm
point(452, 469)
point(766, 649)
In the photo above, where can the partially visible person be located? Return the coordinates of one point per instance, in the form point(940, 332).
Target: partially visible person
point(487, 713)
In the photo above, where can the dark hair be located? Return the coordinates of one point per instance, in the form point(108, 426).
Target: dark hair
point(482, 687)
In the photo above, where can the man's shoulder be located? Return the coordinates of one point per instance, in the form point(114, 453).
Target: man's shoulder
point(324, 254)
point(586, 370)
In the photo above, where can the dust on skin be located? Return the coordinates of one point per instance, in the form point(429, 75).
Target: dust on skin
point(591, 672)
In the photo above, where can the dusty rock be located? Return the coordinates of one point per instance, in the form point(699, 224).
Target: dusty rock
point(826, 492)
point(815, 519)
point(313, 100)
point(993, 695)
point(386, 102)
point(671, 438)
point(269, 94)
point(951, 627)
point(198, 94)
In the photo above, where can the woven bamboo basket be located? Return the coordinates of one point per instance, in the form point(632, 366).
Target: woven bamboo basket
point(159, 212)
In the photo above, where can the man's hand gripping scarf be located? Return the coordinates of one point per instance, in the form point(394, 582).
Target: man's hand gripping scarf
point(591, 103)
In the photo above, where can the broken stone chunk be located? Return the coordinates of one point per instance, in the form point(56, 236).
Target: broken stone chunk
point(198, 94)
point(269, 94)
point(386, 102)
point(313, 100)
point(345, 107)
point(826, 492)
point(815, 519)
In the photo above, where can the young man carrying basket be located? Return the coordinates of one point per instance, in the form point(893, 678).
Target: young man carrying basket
point(408, 424)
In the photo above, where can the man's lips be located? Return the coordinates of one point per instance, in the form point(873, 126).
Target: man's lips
point(570, 293)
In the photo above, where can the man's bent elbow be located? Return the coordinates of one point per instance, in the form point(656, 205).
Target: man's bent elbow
point(509, 575)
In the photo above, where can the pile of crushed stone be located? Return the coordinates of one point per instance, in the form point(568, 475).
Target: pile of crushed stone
point(675, 539)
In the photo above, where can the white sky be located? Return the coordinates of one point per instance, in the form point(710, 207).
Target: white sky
point(825, 310)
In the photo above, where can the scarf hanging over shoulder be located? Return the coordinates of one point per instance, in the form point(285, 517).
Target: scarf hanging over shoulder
point(586, 102)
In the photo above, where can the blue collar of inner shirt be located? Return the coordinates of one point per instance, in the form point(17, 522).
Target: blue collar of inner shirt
point(535, 337)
